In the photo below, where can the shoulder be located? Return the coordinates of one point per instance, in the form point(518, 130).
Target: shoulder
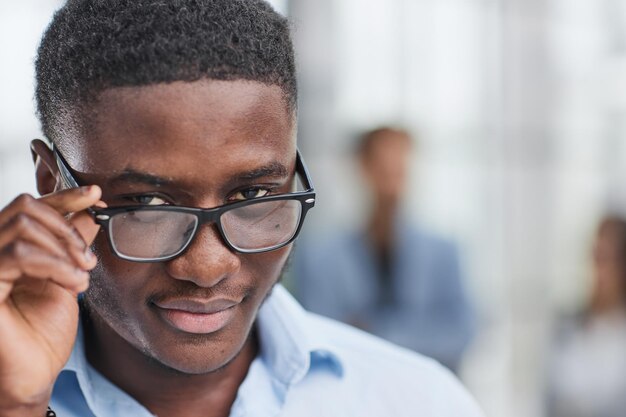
point(392, 377)
point(360, 351)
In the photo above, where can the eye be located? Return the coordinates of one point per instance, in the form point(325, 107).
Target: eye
point(250, 193)
point(147, 200)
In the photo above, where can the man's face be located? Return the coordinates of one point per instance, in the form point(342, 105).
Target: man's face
point(198, 144)
point(385, 166)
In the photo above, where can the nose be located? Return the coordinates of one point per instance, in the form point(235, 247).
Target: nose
point(207, 260)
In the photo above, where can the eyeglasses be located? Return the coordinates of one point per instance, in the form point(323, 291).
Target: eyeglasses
point(161, 233)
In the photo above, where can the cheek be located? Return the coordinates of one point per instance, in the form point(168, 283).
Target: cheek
point(266, 268)
point(113, 271)
point(116, 285)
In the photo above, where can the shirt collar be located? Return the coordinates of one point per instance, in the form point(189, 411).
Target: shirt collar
point(290, 342)
point(101, 395)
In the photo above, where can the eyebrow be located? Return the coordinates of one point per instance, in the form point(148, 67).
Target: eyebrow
point(273, 169)
point(130, 175)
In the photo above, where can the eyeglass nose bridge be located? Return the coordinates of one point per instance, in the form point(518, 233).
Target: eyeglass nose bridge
point(210, 215)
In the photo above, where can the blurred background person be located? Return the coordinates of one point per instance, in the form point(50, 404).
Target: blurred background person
point(588, 362)
point(389, 277)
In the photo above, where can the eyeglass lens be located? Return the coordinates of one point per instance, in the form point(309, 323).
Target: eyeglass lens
point(151, 234)
point(263, 225)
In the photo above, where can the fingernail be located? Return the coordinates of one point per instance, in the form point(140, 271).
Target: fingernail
point(88, 254)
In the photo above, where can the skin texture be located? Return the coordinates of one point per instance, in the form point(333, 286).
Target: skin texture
point(202, 140)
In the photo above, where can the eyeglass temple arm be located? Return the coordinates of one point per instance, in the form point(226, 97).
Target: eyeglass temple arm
point(64, 171)
point(66, 175)
point(301, 166)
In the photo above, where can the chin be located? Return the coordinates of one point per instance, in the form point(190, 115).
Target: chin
point(168, 349)
point(190, 361)
point(195, 354)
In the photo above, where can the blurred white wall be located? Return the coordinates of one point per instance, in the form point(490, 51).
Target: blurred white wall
point(21, 26)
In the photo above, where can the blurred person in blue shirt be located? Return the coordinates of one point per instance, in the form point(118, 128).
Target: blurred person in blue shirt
point(169, 202)
point(391, 278)
point(587, 362)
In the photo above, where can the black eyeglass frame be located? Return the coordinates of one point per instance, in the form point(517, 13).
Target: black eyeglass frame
point(102, 216)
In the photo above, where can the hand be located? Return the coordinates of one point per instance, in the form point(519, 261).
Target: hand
point(44, 264)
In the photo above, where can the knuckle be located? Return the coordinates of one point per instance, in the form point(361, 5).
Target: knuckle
point(21, 222)
point(24, 200)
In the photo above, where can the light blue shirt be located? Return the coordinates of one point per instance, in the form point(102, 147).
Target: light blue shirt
point(307, 366)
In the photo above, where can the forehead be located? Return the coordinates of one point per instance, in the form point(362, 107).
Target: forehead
point(183, 125)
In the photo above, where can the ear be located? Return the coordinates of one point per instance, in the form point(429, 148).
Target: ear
point(46, 169)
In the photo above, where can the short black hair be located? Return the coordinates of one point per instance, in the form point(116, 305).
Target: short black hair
point(93, 45)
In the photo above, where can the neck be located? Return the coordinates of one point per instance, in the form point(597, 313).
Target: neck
point(163, 390)
point(382, 223)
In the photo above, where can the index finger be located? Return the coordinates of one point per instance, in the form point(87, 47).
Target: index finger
point(73, 199)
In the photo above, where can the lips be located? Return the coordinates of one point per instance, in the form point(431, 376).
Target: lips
point(196, 316)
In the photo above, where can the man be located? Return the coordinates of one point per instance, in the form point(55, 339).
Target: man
point(154, 109)
point(390, 277)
